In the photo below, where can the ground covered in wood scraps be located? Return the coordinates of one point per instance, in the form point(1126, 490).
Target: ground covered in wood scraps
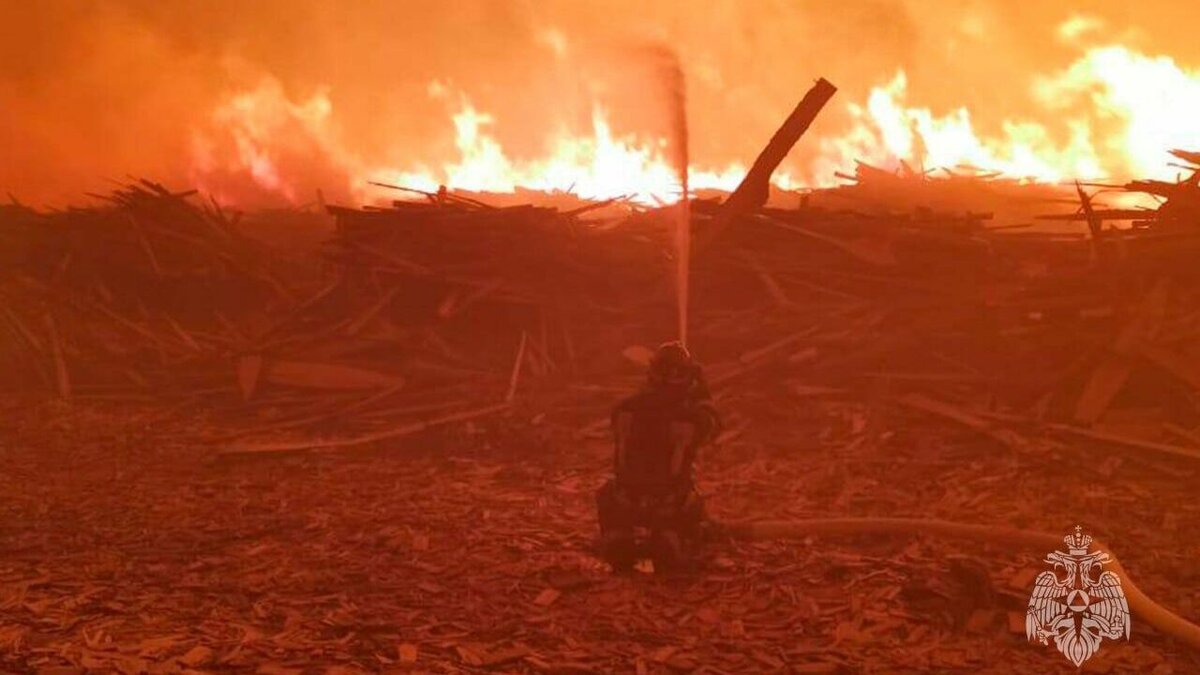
point(125, 547)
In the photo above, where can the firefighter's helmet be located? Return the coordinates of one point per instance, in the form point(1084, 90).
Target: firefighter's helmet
point(672, 366)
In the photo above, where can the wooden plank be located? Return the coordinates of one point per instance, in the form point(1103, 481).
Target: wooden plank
point(371, 312)
point(875, 251)
point(752, 192)
point(316, 375)
point(1110, 375)
point(1125, 441)
point(252, 449)
point(62, 376)
point(965, 418)
point(516, 370)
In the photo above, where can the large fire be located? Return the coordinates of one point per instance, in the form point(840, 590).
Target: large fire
point(265, 104)
point(1113, 113)
point(262, 128)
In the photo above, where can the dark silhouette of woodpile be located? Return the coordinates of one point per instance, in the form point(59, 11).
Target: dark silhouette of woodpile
point(424, 311)
point(142, 294)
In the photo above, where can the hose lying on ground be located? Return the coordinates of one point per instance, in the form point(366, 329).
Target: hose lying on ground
point(1140, 604)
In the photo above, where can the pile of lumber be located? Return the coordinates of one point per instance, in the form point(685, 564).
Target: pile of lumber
point(141, 294)
point(934, 312)
point(941, 312)
point(893, 293)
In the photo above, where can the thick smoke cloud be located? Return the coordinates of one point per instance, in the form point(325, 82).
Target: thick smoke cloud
point(99, 90)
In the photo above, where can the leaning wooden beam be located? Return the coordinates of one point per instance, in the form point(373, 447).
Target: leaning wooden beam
point(339, 443)
point(752, 192)
point(1174, 364)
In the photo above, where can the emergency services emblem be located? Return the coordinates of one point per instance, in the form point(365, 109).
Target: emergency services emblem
point(1077, 604)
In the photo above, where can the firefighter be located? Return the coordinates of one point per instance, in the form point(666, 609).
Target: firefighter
point(650, 508)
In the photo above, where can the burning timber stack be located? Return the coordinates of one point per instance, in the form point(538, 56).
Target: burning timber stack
point(482, 277)
point(931, 312)
point(451, 309)
point(142, 294)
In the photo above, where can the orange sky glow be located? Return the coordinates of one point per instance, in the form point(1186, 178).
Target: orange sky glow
point(262, 104)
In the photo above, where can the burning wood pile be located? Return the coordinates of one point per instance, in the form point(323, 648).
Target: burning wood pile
point(143, 294)
point(1007, 332)
point(450, 309)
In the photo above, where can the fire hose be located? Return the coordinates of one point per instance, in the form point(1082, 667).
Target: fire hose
point(1140, 604)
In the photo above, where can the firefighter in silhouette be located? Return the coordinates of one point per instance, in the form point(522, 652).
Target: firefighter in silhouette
point(650, 508)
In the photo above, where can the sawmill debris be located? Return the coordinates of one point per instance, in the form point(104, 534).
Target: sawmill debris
point(423, 311)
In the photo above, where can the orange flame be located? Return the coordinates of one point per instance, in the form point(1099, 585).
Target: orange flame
point(1111, 113)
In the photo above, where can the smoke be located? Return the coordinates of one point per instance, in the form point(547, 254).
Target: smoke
point(99, 90)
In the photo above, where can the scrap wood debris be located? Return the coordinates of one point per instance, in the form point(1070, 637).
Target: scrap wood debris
point(416, 310)
point(139, 295)
point(868, 337)
point(458, 559)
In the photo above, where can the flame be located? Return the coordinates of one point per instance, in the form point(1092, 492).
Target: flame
point(1153, 100)
point(596, 166)
point(263, 135)
point(1119, 110)
point(255, 134)
point(886, 131)
point(1113, 112)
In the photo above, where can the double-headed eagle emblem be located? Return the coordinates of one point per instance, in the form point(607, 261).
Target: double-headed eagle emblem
point(1077, 604)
